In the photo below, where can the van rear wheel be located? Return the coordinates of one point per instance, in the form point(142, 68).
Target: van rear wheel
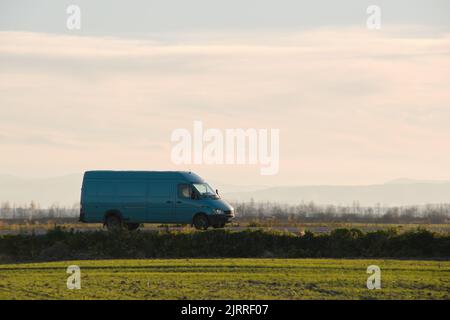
point(113, 222)
point(201, 222)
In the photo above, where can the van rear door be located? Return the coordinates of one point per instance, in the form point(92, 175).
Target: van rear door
point(161, 198)
point(97, 197)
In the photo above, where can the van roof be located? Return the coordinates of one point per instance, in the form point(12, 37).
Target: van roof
point(162, 175)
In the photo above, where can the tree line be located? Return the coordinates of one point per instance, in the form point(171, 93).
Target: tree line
point(268, 212)
point(311, 212)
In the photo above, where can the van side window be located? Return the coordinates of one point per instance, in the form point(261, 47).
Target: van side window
point(184, 191)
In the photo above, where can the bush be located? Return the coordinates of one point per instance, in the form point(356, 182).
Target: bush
point(341, 243)
point(58, 250)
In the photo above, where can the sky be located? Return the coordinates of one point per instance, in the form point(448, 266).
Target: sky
point(352, 105)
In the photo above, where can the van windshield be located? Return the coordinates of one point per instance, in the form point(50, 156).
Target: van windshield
point(205, 190)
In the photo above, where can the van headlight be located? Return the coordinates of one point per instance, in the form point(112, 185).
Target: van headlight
point(218, 211)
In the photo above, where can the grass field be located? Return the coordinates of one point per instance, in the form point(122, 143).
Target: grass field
point(227, 279)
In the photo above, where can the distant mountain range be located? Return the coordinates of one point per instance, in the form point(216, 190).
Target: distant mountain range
point(65, 190)
point(393, 193)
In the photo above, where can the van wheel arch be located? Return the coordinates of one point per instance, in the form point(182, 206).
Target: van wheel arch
point(114, 212)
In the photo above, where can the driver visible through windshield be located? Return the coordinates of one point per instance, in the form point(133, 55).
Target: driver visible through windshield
point(205, 191)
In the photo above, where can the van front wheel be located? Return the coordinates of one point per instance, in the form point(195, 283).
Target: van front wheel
point(201, 222)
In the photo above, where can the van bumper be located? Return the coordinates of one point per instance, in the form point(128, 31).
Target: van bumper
point(218, 219)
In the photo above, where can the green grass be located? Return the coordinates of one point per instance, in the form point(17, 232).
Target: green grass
point(227, 279)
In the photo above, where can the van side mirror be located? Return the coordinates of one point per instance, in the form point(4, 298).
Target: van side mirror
point(217, 191)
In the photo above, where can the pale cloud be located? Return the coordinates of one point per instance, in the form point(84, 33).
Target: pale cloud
point(352, 105)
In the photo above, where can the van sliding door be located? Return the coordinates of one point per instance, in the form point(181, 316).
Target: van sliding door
point(132, 196)
point(161, 198)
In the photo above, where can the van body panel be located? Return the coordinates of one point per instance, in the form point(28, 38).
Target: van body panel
point(148, 197)
point(161, 201)
point(184, 209)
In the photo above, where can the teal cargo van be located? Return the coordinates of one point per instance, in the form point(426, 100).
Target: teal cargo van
point(129, 198)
